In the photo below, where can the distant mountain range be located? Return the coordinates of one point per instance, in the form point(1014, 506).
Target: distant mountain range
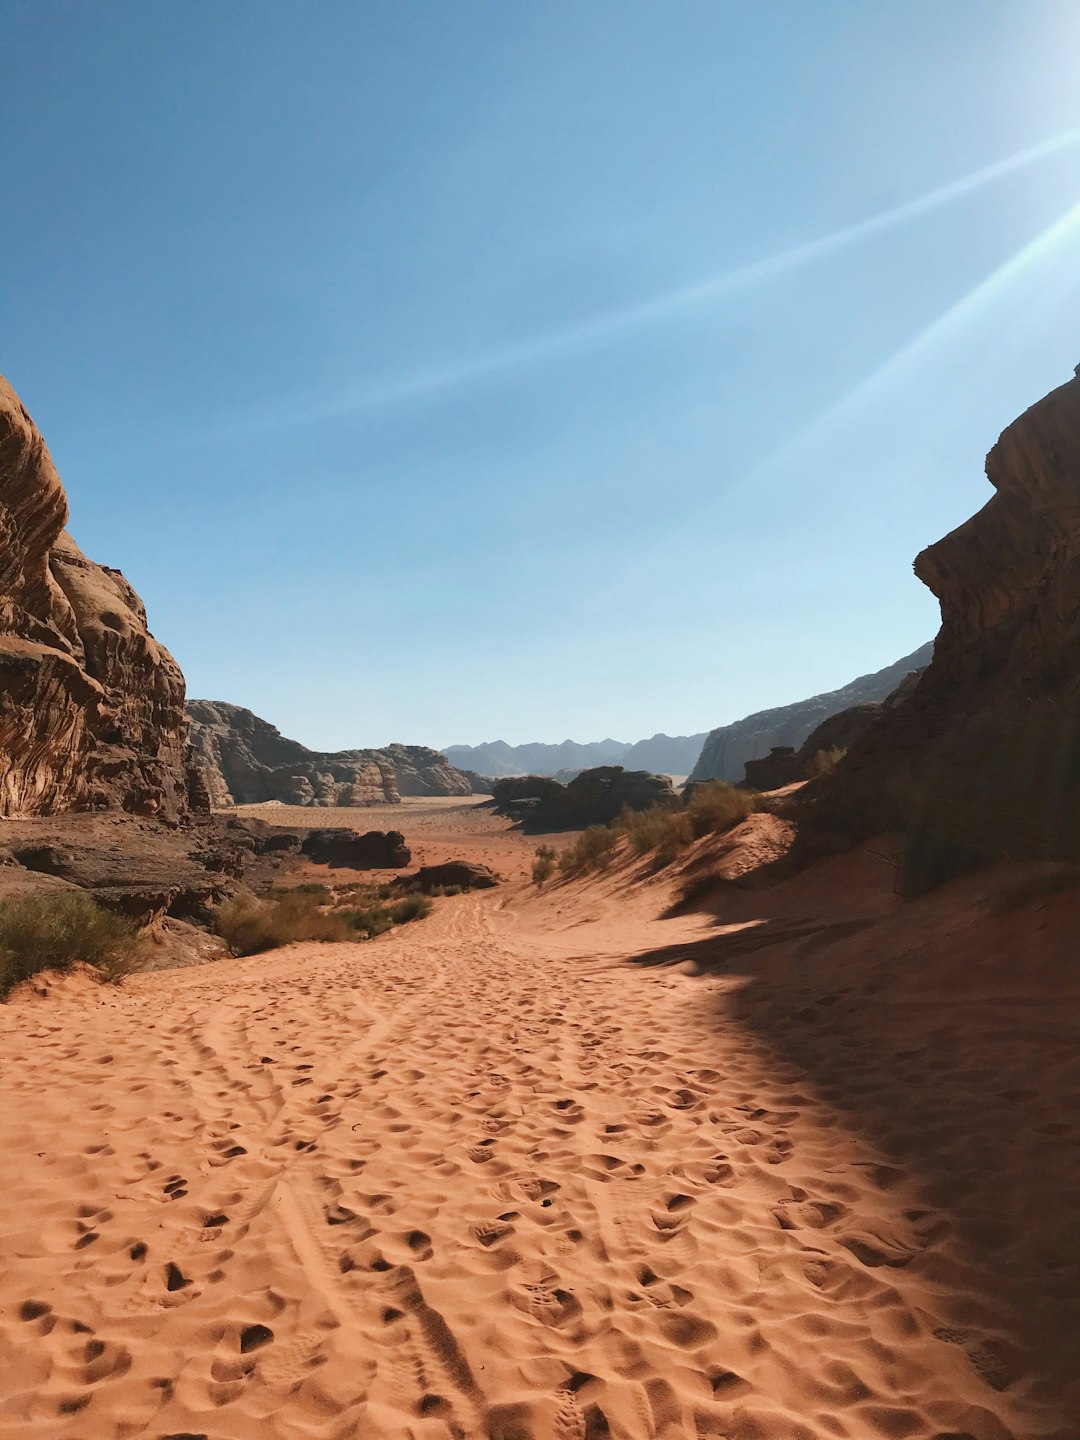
point(718, 754)
point(662, 754)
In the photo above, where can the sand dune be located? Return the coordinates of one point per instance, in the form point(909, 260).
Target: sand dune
point(477, 1178)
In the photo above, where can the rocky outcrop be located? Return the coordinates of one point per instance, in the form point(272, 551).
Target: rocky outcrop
point(347, 850)
point(419, 770)
point(481, 784)
point(595, 797)
point(784, 765)
point(727, 749)
point(245, 760)
point(463, 874)
point(91, 706)
point(138, 867)
point(982, 758)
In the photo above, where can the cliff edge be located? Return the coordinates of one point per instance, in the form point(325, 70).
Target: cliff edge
point(981, 759)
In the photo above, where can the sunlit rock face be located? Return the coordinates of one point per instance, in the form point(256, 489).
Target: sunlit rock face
point(246, 760)
point(983, 755)
point(91, 706)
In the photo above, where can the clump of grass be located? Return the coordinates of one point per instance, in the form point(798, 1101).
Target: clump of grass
point(592, 850)
point(413, 907)
point(314, 888)
point(717, 806)
point(825, 760)
point(693, 887)
point(376, 918)
point(659, 830)
point(53, 931)
point(544, 865)
point(249, 925)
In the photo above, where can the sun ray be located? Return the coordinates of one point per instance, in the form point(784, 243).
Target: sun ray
point(603, 328)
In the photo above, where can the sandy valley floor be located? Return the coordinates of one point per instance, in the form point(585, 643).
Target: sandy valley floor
point(483, 1178)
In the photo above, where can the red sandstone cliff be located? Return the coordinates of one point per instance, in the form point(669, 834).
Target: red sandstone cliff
point(982, 759)
point(91, 706)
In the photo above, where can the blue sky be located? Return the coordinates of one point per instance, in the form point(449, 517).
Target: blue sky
point(440, 373)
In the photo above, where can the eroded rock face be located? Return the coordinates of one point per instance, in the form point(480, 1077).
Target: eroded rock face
point(728, 748)
point(91, 706)
point(982, 757)
point(245, 760)
point(784, 765)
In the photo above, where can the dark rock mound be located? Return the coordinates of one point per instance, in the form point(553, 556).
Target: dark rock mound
point(595, 797)
point(349, 850)
point(464, 873)
point(91, 706)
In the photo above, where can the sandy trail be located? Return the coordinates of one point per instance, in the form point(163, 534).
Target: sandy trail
point(477, 1178)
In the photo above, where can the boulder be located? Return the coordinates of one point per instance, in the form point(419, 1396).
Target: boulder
point(348, 850)
point(91, 705)
point(465, 873)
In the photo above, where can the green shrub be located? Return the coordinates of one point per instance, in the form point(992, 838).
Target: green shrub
point(717, 806)
point(413, 907)
point(544, 864)
point(375, 918)
point(367, 922)
point(313, 888)
point(656, 829)
point(53, 931)
point(592, 850)
point(249, 925)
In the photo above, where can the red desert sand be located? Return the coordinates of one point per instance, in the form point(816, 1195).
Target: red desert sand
point(807, 1169)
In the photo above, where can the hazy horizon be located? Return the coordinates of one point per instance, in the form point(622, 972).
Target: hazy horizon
point(534, 371)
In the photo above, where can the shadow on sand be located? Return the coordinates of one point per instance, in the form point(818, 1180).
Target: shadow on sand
point(947, 1036)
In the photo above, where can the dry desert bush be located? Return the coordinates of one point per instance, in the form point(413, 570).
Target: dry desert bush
point(251, 925)
point(52, 932)
point(592, 850)
point(544, 865)
point(662, 832)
